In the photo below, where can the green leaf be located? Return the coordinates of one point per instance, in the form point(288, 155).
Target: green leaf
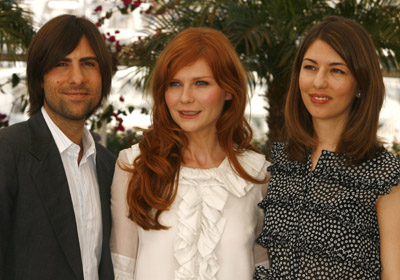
point(109, 14)
point(123, 11)
point(15, 80)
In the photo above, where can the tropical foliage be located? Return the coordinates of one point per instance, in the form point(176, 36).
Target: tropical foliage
point(15, 30)
point(265, 34)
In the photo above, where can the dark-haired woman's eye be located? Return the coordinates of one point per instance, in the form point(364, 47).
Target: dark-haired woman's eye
point(339, 71)
point(309, 67)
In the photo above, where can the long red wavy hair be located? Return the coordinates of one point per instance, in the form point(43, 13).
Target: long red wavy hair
point(153, 185)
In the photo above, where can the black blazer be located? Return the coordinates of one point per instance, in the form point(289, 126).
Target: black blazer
point(38, 233)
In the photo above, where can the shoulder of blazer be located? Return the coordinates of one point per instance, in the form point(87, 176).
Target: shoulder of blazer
point(32, 134)
point(104, 156)
point(16, 134)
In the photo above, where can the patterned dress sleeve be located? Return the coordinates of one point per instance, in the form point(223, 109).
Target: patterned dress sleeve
point(261, 255)
point(124, 234)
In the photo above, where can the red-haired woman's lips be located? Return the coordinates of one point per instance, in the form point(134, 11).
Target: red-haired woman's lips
point(189, 114)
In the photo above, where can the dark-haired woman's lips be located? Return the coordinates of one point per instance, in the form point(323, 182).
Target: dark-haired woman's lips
point(320, 98)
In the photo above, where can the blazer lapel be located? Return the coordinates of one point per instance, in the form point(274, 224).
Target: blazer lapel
point(103, 179)
point(51, 182)
point(105, 169)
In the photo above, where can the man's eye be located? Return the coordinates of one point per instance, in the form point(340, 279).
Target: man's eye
point(60, 64)
point(89, 63)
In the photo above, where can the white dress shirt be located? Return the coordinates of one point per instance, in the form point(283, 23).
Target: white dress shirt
point(84, 190)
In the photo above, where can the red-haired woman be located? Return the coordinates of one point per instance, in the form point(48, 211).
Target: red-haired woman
point(333, 202)
point(184, 200)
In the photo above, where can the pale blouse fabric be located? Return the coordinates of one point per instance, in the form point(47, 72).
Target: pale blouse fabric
point(213, 222)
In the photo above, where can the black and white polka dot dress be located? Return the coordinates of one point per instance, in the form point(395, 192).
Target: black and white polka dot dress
point(323, 225)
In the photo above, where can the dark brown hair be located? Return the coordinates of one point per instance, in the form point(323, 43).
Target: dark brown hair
point(53, 42)
point(152, 188)
point(359, 137)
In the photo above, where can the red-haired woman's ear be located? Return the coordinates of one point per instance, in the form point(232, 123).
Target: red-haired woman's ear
point(228, 96)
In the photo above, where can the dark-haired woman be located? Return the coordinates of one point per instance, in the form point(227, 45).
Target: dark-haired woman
point(333, 202)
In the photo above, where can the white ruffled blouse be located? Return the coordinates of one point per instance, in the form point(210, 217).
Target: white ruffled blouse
point(213, 224)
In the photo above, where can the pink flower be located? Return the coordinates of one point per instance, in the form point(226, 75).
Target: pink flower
point(98, 24)
point(116, 31)
point(137, 3)
point(121, 98)
point(118, 46)
point(111, 39)
point(119, 127)
point(99, 8)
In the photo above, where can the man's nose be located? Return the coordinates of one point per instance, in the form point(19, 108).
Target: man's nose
point(76, 75)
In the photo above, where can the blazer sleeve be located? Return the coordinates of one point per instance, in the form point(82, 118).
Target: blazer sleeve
point(8, 192)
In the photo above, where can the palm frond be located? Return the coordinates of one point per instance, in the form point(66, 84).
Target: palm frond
point(16, 30)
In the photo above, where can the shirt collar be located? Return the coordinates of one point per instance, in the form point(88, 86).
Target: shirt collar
point(64, 143)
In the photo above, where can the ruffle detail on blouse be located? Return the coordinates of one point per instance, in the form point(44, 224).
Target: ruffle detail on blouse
point(282, 163)
point(203, 194)
point(298, 244)
point(346, 218)
point(261, 273)
point(369, 175)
